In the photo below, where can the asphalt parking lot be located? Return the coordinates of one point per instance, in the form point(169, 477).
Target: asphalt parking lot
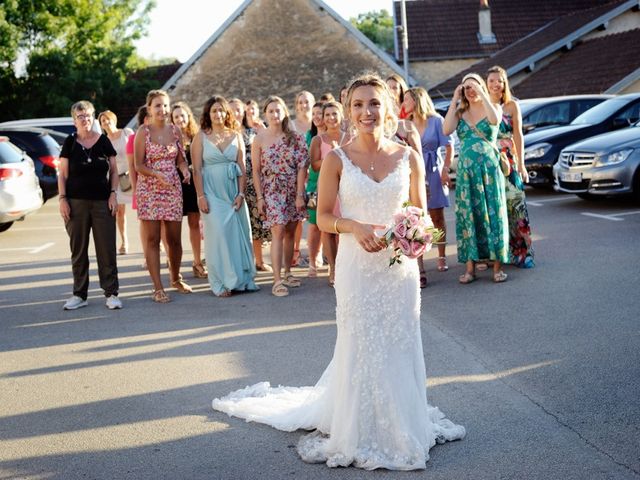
point(543, 370)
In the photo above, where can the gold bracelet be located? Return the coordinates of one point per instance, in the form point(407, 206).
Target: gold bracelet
point(335, 225)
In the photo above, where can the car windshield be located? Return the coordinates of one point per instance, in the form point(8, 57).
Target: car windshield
point(526, 107)
point(599, 112)
point(9, 153)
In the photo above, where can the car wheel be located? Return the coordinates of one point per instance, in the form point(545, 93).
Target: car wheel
point(5, 226)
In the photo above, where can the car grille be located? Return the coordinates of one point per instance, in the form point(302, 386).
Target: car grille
point(580, 186)
point(577, 159)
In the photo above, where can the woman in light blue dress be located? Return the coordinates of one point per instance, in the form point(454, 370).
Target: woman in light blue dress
point(220, 178)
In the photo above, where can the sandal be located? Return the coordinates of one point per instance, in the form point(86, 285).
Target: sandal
point(423, 279)
point(160, 296)
point(199, 271)
point(264, 268)
point(123, 250)
point(499, 277)
point(466, 278)
point(313, 272)
point(332, 278)
point(224, 294)
point(181, 286)
point(442, 264)
point(279, 289)
point(291, 281)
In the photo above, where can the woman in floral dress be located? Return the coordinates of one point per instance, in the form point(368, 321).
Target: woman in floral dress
point(481, 210)
point(245, 116)
point(158, 154)
point(280, 158)
point(510, 141)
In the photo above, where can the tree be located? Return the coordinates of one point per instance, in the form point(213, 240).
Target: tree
point(378, 27)
point(72, 49)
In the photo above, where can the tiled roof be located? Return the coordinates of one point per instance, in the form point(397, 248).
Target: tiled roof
point(440, 29)
point(524, 48)
point(606, 59)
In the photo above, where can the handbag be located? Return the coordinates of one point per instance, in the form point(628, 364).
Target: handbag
point(505, 166)
point(312, 200)
point(125, 182)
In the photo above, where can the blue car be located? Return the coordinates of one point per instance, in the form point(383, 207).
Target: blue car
point(543, 146)
point(603, 165)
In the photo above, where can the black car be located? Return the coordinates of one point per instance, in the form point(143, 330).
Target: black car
point(554, 111)
point(44, 151)
point(543, 146)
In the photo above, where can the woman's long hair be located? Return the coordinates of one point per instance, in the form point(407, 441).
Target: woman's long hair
point(423, 105)
point(314, 128)
point(205, 118)
point(289, 134)
point(373, 80)
point(400, 81)
point(253, 103)
point(464, 103)
point(506, 91)
point(192, 126)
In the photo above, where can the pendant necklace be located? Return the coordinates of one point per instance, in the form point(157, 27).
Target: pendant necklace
point(372, 166)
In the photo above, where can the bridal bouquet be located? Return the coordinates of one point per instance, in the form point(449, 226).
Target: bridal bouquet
point(411, 234)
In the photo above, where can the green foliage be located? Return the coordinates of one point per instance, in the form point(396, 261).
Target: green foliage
point(377, 26)
point(72, 49)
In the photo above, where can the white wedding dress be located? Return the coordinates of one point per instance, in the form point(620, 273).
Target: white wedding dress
point(369, 409)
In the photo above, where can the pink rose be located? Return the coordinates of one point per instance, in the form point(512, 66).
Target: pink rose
point(398, 218)
point(413, 232)
point(417, 249)
point(400, 230)
point(413, 220)
point(405, 246)
point(414, 211)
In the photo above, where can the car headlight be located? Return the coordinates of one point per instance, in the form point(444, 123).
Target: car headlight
point(536, 151)
point(612, 158)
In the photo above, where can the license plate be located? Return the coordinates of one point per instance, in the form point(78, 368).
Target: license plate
point(571, 176)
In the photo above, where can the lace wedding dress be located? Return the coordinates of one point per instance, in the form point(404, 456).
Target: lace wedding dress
point(369, 409)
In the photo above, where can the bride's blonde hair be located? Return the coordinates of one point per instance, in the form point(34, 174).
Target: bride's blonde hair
point(372, 80)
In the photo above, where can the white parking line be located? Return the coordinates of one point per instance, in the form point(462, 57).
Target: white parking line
point(539, 203)
point(613, 217)
point(29, 249)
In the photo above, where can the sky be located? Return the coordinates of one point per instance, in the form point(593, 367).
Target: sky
point(198, 19)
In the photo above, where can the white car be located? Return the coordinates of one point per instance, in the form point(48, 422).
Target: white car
point(20, 192)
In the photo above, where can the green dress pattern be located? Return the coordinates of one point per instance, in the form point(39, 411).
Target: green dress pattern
point(482, 228)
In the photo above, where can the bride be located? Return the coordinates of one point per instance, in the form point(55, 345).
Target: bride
point(369, 409)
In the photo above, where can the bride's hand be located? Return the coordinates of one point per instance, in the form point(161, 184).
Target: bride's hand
point(366, 236)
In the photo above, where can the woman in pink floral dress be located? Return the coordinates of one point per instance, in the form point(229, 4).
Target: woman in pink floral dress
point(280, 158)
point(158, 154)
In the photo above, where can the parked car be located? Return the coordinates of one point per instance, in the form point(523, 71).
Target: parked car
point(554, 111)
point(543, 146)
point(545, 112)
point(44, 151)
point(59, 124)
point(607, 164)
point(20, 192)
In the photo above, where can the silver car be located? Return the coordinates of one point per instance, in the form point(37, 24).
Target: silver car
point(20, 192)
point(607, 164)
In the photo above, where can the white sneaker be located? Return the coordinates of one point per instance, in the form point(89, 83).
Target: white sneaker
point(113, 302)
point(74, 303)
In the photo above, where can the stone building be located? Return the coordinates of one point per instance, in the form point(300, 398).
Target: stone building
point(277, 47)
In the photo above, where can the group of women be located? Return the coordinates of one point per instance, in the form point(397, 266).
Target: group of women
point(242, 180)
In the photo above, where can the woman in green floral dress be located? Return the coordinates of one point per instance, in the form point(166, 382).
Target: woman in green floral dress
point(481, 212)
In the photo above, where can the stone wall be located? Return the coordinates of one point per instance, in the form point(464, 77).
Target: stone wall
point(433, 72)
point(277, 47)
